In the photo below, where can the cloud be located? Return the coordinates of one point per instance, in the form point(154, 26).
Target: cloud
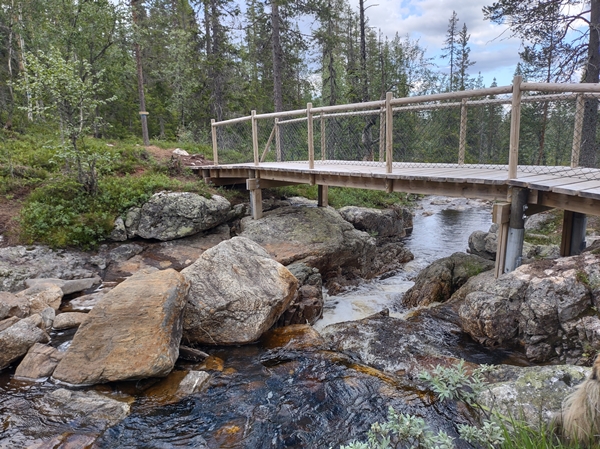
point(495, 53)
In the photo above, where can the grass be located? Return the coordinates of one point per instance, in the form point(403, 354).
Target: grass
point(55, 210)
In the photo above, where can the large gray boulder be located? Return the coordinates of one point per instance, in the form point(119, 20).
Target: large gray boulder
point(172, 215)
point(11, 305)
point(376, 222)
point(17, 338)
point(132, 333)
point(317, 236)
point(442, 278)
point(484, 244)
point(549, 307)
point(533, 394)
point(237, 293)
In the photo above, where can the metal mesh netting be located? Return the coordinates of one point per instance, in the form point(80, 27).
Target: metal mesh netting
point(234, 142)
point(558, 135)
point(474, 133)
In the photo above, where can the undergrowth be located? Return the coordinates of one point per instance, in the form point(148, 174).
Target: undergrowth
point(494, 431)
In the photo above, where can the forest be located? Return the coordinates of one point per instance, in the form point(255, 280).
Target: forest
point(187, 61)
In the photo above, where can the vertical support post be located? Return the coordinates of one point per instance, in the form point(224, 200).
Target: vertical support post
point(253, 185)
point(277, 140)
point(382, 135)
point(515, 124)
point(213, 129)
point(254, 138)
point(323, 138)
point(323, 195)
point(389, 116)
point(516, 229)
point(462, 141)
point(579, 104)
point(573, 234)
point(501, 216)
point(311, 140)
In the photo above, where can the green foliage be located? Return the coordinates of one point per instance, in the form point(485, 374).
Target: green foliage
point(61, 213)
point(454, 383)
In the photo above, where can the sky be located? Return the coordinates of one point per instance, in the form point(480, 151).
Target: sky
point(494, 52)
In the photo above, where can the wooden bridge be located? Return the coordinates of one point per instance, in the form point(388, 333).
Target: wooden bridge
point(335, 146)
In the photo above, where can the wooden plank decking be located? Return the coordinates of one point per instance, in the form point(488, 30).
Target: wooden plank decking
point(562, 190)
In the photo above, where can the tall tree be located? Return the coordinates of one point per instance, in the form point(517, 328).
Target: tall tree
point(528, 20)
point(135, 6)
point(451, 47)
point(463, 61)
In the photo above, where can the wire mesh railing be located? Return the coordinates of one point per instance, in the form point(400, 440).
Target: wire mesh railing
point(526, 128)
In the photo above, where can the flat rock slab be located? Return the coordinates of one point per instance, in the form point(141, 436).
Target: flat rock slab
point(237, 293)
point(42, 296)
point(67, 286)
point(133, 332)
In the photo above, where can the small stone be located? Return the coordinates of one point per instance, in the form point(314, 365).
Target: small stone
point(69, 320)
point(39, 362)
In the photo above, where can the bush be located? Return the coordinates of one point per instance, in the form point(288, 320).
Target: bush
point(62, 214)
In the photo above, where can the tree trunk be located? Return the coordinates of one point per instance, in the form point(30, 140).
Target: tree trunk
point(140, 78)
point(589, 157)
point(277, 57)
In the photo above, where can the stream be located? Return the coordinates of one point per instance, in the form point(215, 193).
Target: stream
point(259, 397)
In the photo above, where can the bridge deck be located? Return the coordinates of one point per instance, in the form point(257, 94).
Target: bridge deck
point(551, 186)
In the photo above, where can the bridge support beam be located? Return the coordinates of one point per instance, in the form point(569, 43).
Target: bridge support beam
point(501, 216)
point(253, 185)
point(573, 234)
point(516, 229)
point(323, 195)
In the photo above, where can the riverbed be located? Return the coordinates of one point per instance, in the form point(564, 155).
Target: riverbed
point(258, 397)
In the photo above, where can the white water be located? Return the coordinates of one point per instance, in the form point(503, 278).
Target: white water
point(441, 227)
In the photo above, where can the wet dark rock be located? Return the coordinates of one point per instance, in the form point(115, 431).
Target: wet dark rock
point(548, 307)
point(442, 278)
point(285, 399)
point(191, 354)
point(132, 333)
point(295, 336)
point(428, 338)
point(39, 362)
point(307, 305)
point(176, 386)
point(237, 293)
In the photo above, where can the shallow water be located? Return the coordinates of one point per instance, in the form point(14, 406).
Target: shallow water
point(260, 398)
point(441, 227)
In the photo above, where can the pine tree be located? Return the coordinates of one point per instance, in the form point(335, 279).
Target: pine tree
point(451, 48)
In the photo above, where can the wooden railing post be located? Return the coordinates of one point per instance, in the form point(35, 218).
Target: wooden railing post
point(254, 138)
point(389, 116)
point(462, 140)
point(277, 140)
point(579, 104)
point(515, 123)
point(311, 142)
point(213, 130)
point(323, 139)
point(382, 135)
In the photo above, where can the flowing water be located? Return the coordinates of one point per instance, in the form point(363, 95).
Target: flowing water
point(259, 397)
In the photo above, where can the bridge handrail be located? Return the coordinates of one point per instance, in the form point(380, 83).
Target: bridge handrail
point(386, 108)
